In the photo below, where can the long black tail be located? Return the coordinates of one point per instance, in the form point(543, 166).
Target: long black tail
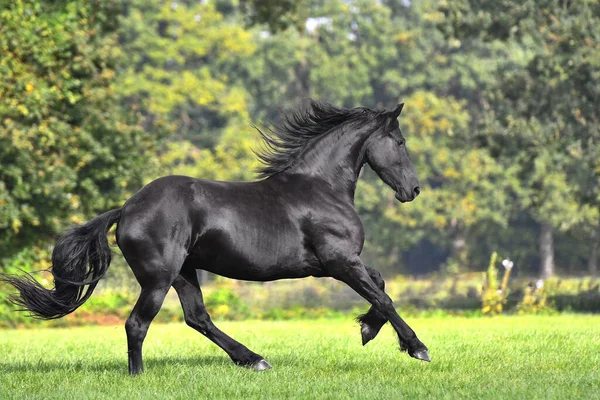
point(79, 260)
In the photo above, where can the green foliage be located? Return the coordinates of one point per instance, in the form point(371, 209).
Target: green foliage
point(277, 14)
point(66, 151)
point(501, 116)
point(181, 73)
point(323, 298)
point(582, 295)
point(223, 303)
point(492, 298)
point(27, 260)
point(535, 301)
point(541, 116)
point(110, 302)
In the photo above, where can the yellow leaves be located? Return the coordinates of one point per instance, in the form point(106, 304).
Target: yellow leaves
point(405, 37)
point(16, 225)
point(220, 311)
point(451, 173)
point(454, 43)
point(468, 203)
point(21, 139)
point(239, 42)
point(429, 115)
point(76, 219)
point(434, 17)
point(74, 200)
point(23, 110)
point(411, 222)
point(29, 87)
point(43, 263)
point(443, 156)
point(234, 102)
point(72, 97)
point(439, 221)
point(108, 74)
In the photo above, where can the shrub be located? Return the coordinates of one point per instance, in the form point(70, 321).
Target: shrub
point(535, 300)
point(223, 303)
point(494, 295)
point(29, 260)
point(579, 295)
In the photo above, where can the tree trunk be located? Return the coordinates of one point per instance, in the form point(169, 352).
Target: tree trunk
point(593, 260)
point(458, 260)
point(546, 251)
point(459, 247)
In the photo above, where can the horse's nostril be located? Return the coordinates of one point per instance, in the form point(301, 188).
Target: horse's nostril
point(417, 190)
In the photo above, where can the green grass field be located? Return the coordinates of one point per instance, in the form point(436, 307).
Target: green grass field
point(505, 357)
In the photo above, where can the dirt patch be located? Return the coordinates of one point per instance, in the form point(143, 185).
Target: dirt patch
point(96, 319)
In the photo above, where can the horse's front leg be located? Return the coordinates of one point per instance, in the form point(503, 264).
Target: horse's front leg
point(354, 274)
point(372, 322)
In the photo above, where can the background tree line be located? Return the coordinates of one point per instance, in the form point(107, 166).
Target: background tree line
point(98, 98)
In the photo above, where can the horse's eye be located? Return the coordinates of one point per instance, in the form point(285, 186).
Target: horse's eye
point(402, 142)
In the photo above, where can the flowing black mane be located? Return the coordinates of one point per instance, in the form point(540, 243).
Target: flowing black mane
point(286, 141)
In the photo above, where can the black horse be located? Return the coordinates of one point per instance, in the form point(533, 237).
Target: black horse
point(298, 221)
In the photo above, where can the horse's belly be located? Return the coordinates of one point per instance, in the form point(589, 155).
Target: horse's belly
point(249, 254)
point(239, 266)
point(249, 272)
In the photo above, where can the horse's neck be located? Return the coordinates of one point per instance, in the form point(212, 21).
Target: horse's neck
point(336, 158)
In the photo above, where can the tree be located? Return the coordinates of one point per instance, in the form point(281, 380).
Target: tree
point(365, 53)
point(181, 74)
point(278, 15)
point(543, 113)
point(66, 150)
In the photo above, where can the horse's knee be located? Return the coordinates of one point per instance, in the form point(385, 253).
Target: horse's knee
point(200, 322)
point(376, 277)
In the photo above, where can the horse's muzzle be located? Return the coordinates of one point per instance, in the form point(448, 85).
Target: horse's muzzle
point(403, 197)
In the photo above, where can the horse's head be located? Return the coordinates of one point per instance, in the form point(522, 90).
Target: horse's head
point(387, 155)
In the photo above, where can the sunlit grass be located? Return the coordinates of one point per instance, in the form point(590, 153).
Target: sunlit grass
point(504, 357)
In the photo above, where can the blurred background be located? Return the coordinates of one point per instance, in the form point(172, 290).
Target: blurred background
point(98, 98)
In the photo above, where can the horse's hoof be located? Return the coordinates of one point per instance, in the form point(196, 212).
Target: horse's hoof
point(367, 333)
point(261, 365)
point(421, 355)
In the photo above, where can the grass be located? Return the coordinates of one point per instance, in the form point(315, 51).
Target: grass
point(504, 357)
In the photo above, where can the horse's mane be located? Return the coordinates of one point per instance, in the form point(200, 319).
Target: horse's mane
point(284, 143)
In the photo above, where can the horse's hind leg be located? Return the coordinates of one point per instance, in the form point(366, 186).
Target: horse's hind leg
point(146, 308)
point(155, 275)
point(196, 316)
point(373, 320)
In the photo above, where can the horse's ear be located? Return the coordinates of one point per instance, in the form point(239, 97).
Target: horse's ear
point(397, 110)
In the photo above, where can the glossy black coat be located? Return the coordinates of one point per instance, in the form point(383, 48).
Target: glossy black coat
point(299, 221)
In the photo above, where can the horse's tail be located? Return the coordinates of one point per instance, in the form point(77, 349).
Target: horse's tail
point(79, 260)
